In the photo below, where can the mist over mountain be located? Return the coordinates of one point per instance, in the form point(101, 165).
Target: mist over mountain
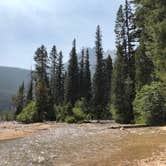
point(10, 79)
point(92, 57)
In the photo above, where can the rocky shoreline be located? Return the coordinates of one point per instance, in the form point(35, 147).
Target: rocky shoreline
point(52, 144)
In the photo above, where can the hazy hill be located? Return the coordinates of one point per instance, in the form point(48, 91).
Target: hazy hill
point(10, 79)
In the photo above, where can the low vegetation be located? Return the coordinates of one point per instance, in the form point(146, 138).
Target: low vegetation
point(28, 114)
point(150, 104)
point(6, 115)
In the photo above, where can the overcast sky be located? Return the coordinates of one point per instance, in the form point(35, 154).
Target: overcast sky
point(26, 24)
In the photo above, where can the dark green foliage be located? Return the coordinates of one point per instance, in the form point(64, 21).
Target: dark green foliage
point(7, 115)
point(124, 68)
point(19, 100)
point(81, 75)
point(68, 113)
point(144, 68)
point(53, 68)
point(82, 104)
point(118, 97)
point(118, 107)
point(62, 111)
point(151, 17)
point(29, 114)
point(87, 79)
point(108, 67)
point(59, 80)
point(29, 96)
point(98, 98)
point(72, 82)
point(44, 104)
point(78, 113)
point(143, 61)
point(150, 104)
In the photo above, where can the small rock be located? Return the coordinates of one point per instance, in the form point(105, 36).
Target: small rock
point(122, 128)
point(40, 159)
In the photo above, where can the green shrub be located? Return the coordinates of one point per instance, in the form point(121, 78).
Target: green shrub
point(78, 115)
point(29, 114)
point(62, 111)
point(70, 119)
point(79, 112)
point(65, 113)
point(6, 115)
point(82, 104)
point(150, 104)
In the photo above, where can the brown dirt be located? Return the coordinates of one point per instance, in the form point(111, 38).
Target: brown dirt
point(10, 130)
point(83, 145)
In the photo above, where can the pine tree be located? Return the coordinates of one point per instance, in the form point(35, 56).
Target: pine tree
point(143, 62)
point(81, 75)
point(98, 99)
point(151, 20)
point(130, 54)
point(144, 68)
point(87, 79)
point(29, 96)
point(108, 67)
point(43, 99)
point(124, 74)
point(19, 99)
point(72, 84)
point(118, 84)
point(53, 60)
point(59, 80)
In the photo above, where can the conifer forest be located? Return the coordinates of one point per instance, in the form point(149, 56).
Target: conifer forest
point(82, 83)
point(129, 89)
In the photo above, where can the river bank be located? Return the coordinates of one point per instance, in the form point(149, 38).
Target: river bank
point(50, 144)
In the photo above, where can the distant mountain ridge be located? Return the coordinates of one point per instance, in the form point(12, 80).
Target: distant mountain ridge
point(10, 79)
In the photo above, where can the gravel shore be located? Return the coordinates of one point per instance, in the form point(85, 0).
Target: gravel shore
point(85, 144)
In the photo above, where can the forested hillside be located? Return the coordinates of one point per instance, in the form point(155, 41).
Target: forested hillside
point(10, 78)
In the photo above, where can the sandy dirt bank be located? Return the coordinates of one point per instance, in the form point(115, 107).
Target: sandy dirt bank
point(52, 144)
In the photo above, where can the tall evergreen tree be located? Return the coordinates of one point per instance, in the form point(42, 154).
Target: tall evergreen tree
point(143, 62)
point(29, 96)
point(118, 84)
point(72, 84)
point(53, 66)
point(59, 80)
point(108, 67)
point(87, 79)
point(130, 55)
point(43, 105)
point(124, 74)
point(81, 75)
point(150, 17)
point(19, 99)
point(144, 68)
point(98, 98)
